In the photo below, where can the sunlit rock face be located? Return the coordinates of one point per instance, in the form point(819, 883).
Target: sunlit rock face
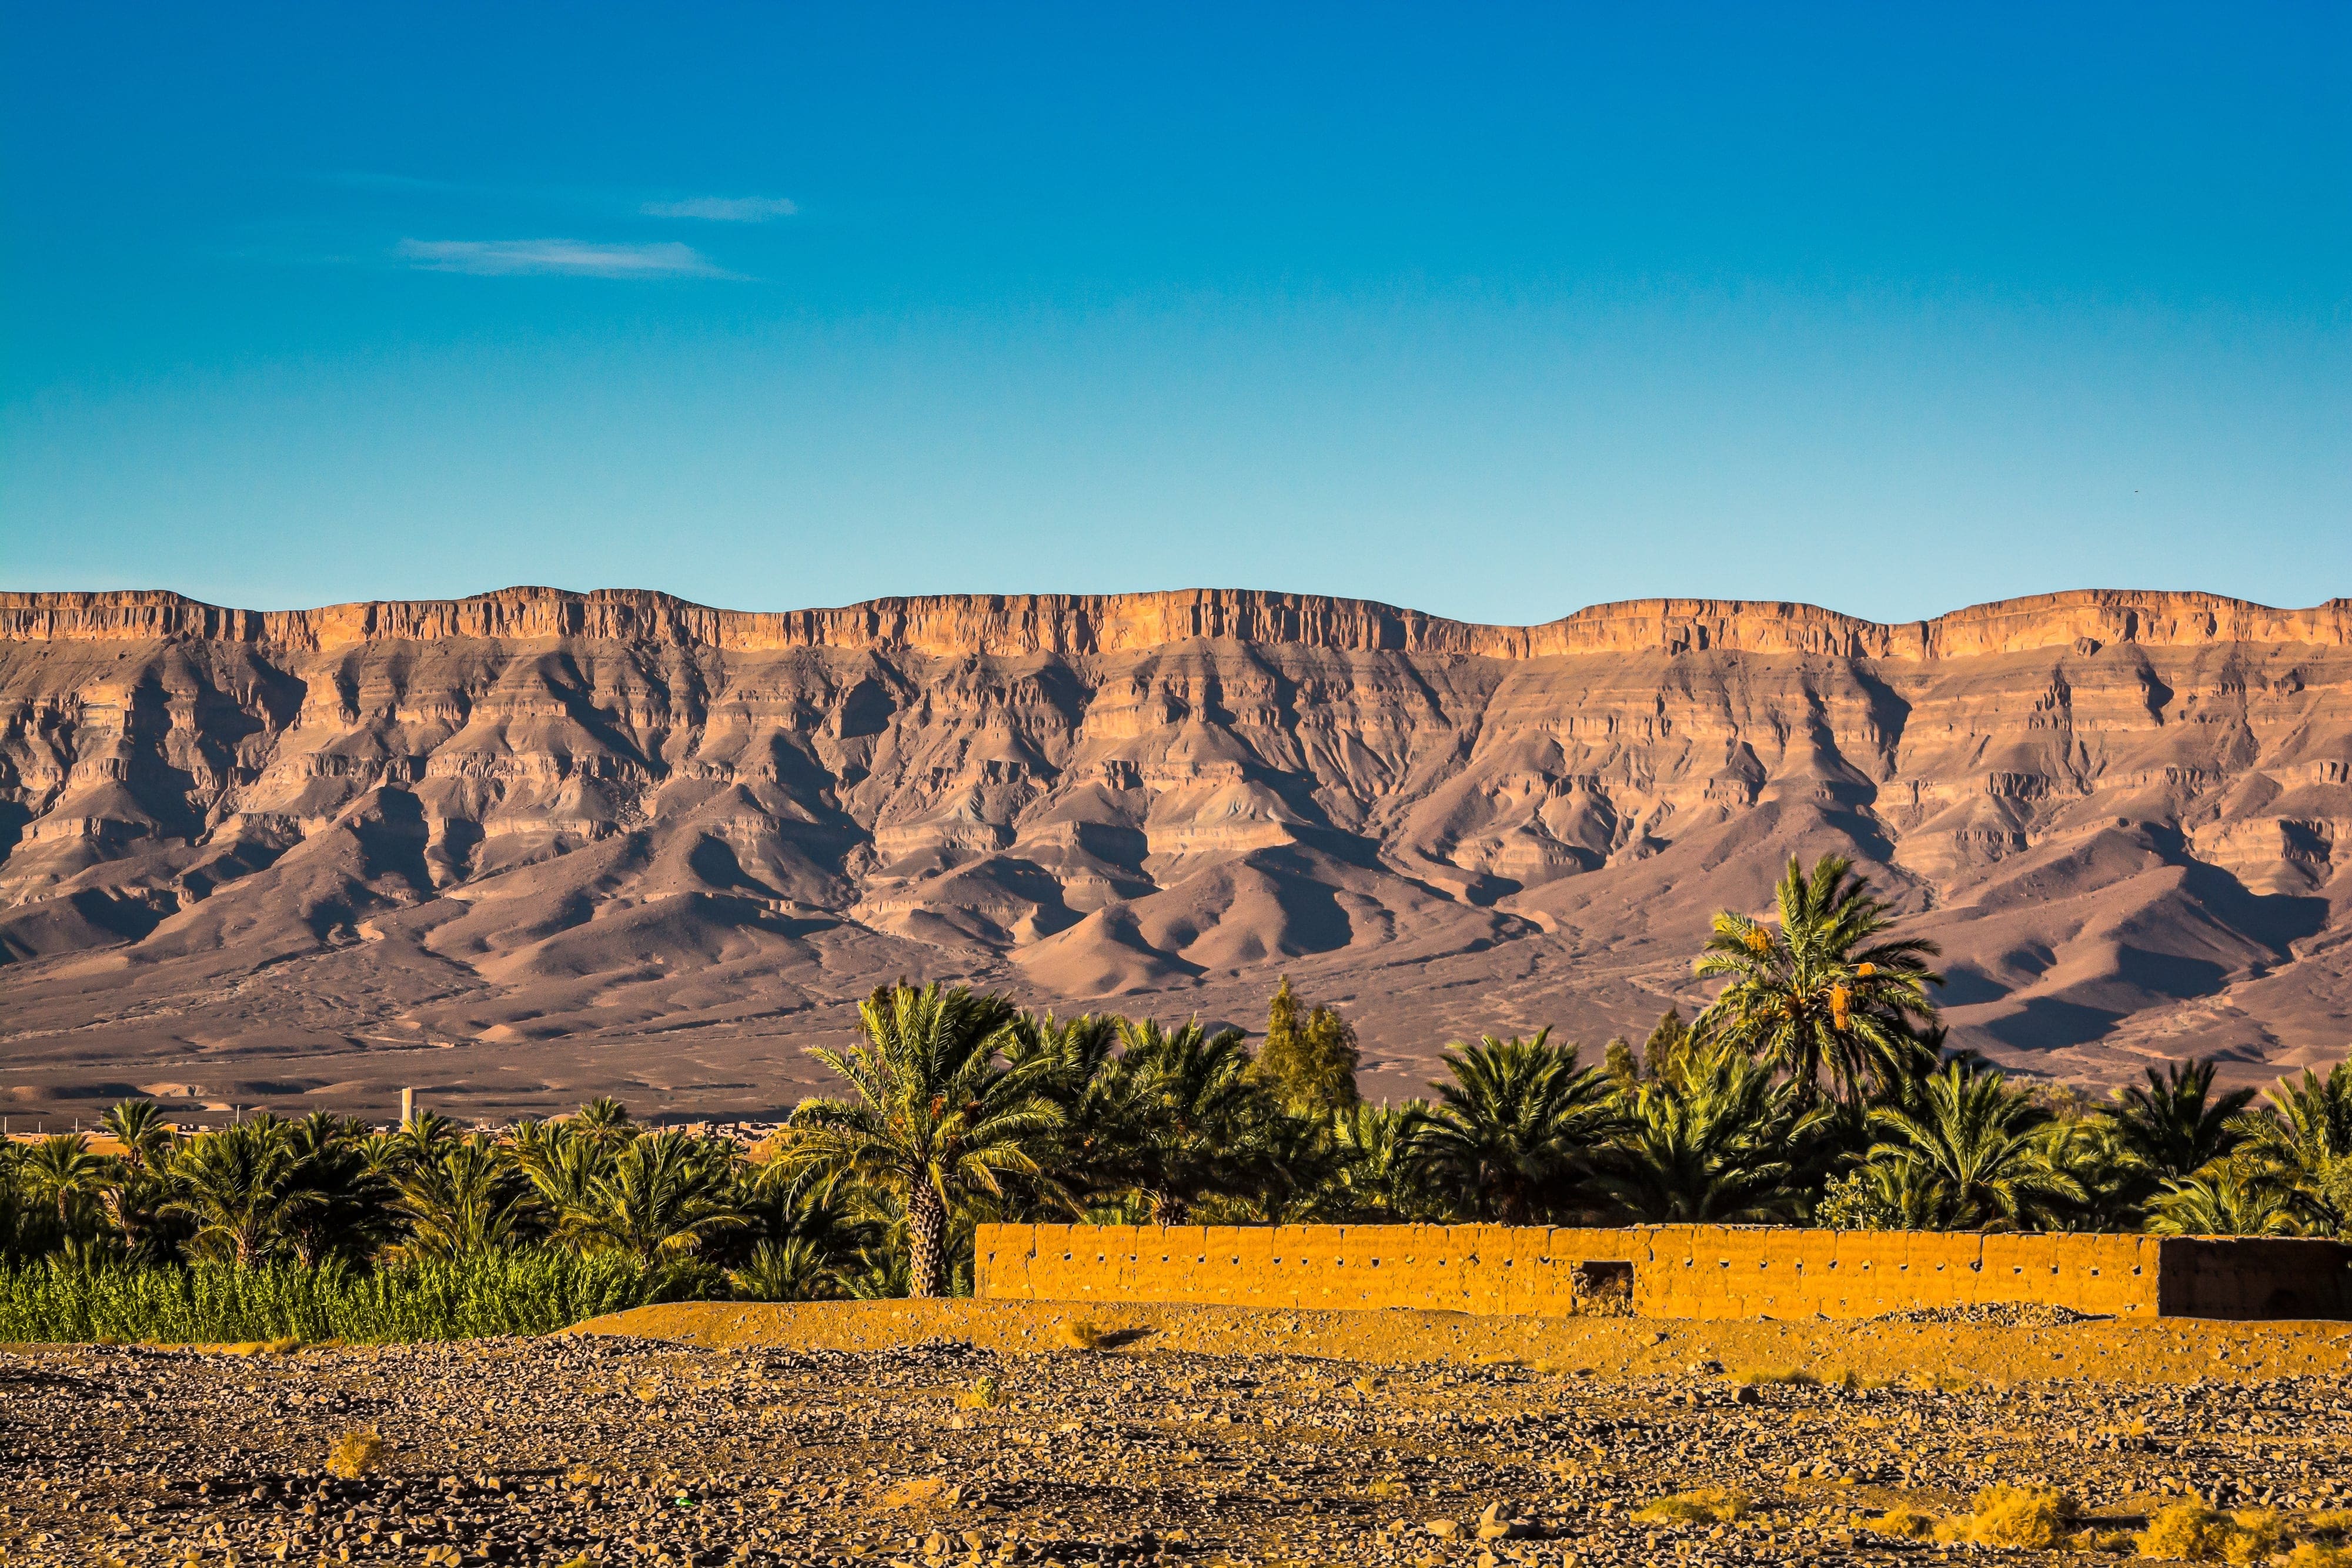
point(518, 847)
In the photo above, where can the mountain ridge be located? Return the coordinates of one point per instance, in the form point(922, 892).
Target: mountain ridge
point(531, 844)
point(1019, 623)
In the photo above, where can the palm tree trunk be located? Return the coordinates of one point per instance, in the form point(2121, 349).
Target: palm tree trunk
point(926, 1225)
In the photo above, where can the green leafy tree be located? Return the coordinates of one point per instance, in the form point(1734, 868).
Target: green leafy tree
point(605, 1123)
point(1514, 1130)
point(934, 1116)
point(1377, 1178)
point(563, 1164)
point(1715, 1143)
point(1309, 1060)
point(1976, 1139)
point(807, 1237)
point(2089, 1150)
point(1896, 1192)
point(347, 1209)
point(1668, 1048)
point(1823, 995)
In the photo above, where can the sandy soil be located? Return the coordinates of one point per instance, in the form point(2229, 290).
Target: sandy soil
point(963, 1433)
point(2108, 1350)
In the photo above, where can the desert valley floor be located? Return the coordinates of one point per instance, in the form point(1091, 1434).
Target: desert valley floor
point(909, 1433)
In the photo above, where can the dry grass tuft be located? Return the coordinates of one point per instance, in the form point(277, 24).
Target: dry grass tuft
point(1906, 1522)
point(1777, 1377)
point(1701, 1505)
point(355, 1453)
point(1078, 1333)
point(1389, 1489)
point(2187, 1532)
point(2035, 1518)
point(983, 1394)
point(2311, 1554)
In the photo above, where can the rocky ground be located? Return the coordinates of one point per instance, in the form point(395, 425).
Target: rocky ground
point(627, 1450)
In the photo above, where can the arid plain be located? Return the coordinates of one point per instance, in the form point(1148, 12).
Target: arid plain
point(522, 848)
point(961, 1432)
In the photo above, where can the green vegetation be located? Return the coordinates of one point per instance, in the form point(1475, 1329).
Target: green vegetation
point(1816, 1088)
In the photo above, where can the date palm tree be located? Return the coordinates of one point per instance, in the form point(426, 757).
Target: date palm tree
point(2227, 1198)
point(1825, 994)
point(345, 1212)
point(2305, 1129)
point(1977, 1140)
point(667, 1195)
point(563, 1164)
point(2175, 1124)
point(1715, 1142)
point(1516, 1128)
point(473, 1199)
point(934, 1113)
point(1185, 1120)
point(808, 1237)
point(604, 1122)
point(244, 1189)
point(63, 1172)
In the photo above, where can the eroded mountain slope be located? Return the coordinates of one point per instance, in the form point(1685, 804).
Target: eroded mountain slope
point(518, 847)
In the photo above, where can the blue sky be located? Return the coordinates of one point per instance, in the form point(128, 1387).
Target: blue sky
point(1493, 311)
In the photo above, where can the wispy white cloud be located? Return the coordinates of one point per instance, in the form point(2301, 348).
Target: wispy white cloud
point(572, 258)
point(724, 209)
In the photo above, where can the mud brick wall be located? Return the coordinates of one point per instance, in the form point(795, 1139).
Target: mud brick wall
point(1679, 1271)
point(2248, 1277)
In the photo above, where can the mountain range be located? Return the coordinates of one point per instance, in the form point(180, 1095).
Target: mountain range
point(520, 848)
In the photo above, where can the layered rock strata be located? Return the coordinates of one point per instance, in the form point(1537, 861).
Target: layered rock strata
point(568, 841)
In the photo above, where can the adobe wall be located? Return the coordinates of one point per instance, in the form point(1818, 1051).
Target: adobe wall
point(1679, 1271)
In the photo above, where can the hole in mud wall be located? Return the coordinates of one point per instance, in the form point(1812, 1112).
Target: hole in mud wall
point(1604, 1286)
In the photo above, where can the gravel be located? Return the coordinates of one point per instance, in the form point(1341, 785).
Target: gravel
point(641, 1452)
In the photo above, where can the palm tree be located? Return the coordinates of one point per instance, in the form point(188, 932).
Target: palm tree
point(424, 1137)
point(934, 1117)
point(2228, 1197)
point(138, 1183)
point(1715, 1143)
point(563, 1163)
point(807, 1237)
point(242, 1185)
point(473, 1199)
point(2306, 1130)
point(2175, 1125)
point(1514, 1132)
point(1075, 1065)
point(1183, 1117)
point(344, 1211)
point(1821, 995)
point(1376, 1177)
point(667, 1195)
point(604, 1122)
point(1976, 1139)
point(138, 1126)
point(62, 1171)
point(2090, 1149)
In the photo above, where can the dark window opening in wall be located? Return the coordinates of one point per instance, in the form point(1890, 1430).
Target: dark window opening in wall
point(1604, 1287)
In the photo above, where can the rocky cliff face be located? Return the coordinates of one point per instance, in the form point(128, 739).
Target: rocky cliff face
point(520, 846)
